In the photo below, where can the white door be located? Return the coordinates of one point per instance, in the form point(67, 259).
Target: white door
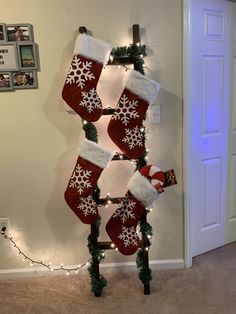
point(210, 95)
point(231, 215)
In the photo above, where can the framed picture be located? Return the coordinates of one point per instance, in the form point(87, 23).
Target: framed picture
point(5, 81)
point(19, 32)
point(27, 56)
point(8, 57)
point(3, 32)
point(25, 79)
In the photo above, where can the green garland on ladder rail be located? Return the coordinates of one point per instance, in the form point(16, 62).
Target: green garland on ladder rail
point(90, 131)
point(97, 284)
point(145, 273)
point(134, 51)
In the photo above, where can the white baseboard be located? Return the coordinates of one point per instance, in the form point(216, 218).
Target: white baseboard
point(105, 268)
point(154, 265)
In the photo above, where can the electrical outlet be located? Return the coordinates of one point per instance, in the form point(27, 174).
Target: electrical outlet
point(4, 222)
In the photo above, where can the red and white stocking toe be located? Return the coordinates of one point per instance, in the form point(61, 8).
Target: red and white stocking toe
point(79, 91)
point(92, 159)
point(121, 227)
point(138, 94)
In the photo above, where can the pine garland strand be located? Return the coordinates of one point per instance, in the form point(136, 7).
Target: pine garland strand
point(97, 284)
point(134, 52)
point(90, 131)
point(145, 274)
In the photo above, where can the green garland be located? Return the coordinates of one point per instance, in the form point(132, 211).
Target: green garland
point(146, 229)
point(90, 131)
point(133, 51)
point(97, 284)
point(145, 273)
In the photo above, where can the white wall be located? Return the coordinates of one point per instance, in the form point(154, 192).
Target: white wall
point(39, 138)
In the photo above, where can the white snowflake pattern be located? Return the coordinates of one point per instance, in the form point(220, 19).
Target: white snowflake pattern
point(79, 72)
point(90, 100)
point(80, 179)
point(125, 210)
point(87, 206)
point(126, 110)
point(129, 236)
point(133, 137)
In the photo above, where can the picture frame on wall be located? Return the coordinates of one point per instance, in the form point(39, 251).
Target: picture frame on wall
point(6, 83)
point(27, 56)
point(8, 57)
point(19, 32)
point(25, 79)
point(3, 36)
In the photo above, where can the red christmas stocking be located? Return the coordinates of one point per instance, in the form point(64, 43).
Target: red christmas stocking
point(121, 227)
point(79, 91)
point(139, 93)
point(91, 161)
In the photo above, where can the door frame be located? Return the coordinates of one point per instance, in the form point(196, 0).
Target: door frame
point(187, 127)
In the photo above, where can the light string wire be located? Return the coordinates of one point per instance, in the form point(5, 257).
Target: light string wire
point(46, 265)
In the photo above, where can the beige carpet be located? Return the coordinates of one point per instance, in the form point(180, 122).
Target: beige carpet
point(209, 287)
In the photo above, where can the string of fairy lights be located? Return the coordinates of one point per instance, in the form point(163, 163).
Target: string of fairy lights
point(49, 266)
point(66, 269)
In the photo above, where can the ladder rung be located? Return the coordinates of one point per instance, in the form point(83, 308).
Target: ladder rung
point(106, 245)
point(108, 111)
point(110, 200)
point(120, 157)
point(121, 60)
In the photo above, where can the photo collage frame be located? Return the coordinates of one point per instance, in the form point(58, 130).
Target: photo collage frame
point(19, 60)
